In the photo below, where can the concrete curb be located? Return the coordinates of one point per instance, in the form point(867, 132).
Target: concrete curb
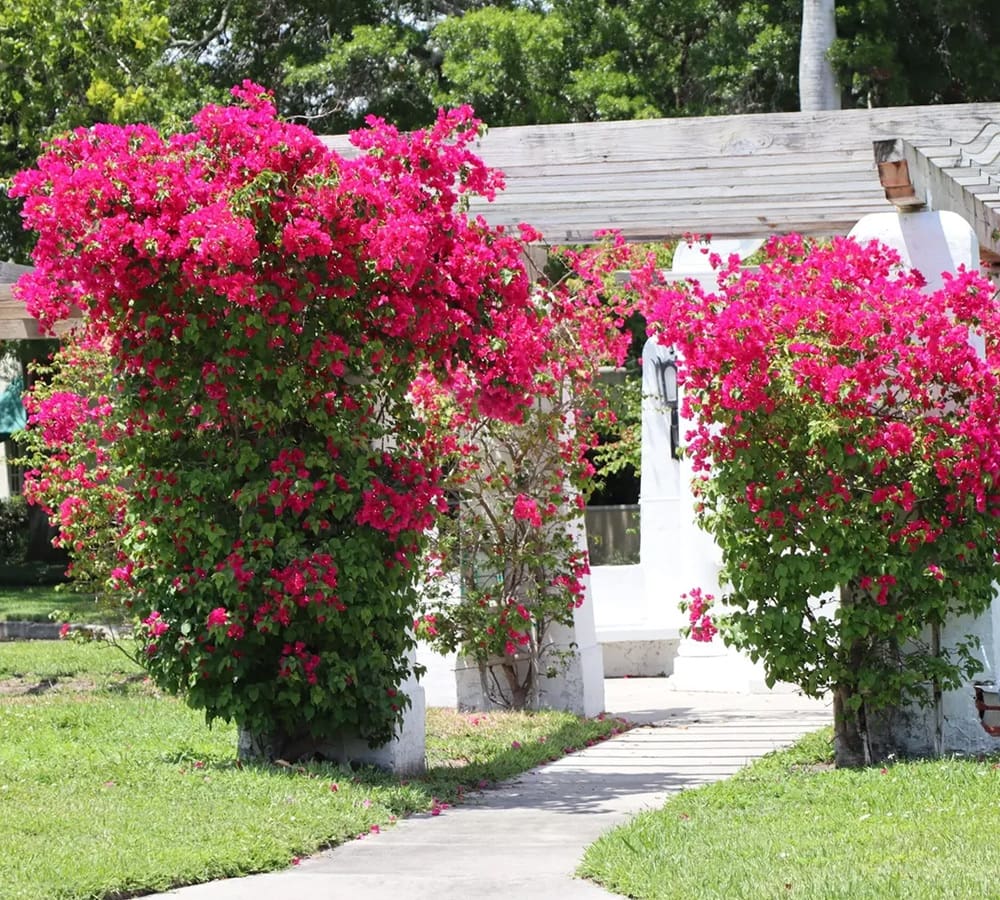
point(29, 631)
point(49, 631)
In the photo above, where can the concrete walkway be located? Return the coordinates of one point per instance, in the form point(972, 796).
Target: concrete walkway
point(526, 837)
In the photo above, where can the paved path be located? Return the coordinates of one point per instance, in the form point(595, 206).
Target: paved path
point(526, 837)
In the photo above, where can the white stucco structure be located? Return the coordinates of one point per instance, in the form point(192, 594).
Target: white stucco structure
point(578, 685)
point(638, 615)
point(405, 754)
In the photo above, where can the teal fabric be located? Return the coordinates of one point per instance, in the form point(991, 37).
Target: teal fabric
point(12, 415)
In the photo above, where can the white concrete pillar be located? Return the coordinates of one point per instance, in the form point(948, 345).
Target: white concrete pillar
point(677, 555)
point(405, 754)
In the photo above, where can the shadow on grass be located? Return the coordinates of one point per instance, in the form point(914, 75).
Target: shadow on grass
point(449, 781)
point(125, 685)
point(42, 687)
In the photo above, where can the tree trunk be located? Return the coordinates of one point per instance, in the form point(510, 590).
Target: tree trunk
point(268, 747)
point(850, 737)
point(817, 83)
point(519, 689)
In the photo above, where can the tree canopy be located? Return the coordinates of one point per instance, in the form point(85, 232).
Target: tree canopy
point(67, 63)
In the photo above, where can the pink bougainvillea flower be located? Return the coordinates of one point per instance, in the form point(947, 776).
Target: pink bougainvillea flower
point(218, 616)
point(238, 276)
point(526, 510)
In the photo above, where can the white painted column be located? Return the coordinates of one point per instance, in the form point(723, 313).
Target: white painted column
point(579, 686)
point(677, 555)
point(405, 754)
point(4, 472)
point(664, 522)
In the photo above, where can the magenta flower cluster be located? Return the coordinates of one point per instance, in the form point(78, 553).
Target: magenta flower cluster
point(262, 306)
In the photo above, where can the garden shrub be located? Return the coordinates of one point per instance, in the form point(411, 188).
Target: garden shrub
point(846, 451)
point(264, 305)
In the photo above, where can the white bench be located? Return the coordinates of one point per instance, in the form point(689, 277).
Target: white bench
point(636, 639)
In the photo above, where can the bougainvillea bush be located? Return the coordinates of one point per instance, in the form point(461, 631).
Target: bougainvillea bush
point(847, 446)
point(75, 478)
point(265, 305)
point(509, 562)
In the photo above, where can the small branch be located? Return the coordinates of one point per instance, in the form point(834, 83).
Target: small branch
point(322, 114)
point(196, 45)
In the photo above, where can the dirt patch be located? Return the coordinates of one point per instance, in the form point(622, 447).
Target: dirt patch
point(814, 767)
point(34, 686)
point(24, 687)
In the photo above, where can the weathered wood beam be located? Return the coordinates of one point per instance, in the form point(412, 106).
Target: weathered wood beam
point(15, 323)
point(728, 176)
point(945, 184)
point(698, 138)
point(894, 175)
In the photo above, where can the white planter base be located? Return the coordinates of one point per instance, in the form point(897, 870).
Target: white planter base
point(578, 688)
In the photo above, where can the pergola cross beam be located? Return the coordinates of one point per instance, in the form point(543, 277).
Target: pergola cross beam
point(970, 188)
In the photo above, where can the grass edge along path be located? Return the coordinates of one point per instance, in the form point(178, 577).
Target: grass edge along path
point(110, 790)
point(791, 826)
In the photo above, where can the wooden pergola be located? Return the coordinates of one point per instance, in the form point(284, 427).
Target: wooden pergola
point(748, 176)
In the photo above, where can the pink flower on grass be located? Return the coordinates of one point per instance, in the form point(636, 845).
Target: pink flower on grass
point(64, 629)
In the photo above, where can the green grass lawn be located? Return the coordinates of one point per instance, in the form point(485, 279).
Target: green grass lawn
point(108, 787)
point(36, 603)
point(790, 826)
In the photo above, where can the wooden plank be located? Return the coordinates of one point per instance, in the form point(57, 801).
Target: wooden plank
point(856, 158)
point(653, 193)
point(982, 191)
point(967, 175)
point(25, 329)
point(653, 229)
point(11, 272)
point(761, 205)
point(815, 178)
point(730, 136)
point(16, 324)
